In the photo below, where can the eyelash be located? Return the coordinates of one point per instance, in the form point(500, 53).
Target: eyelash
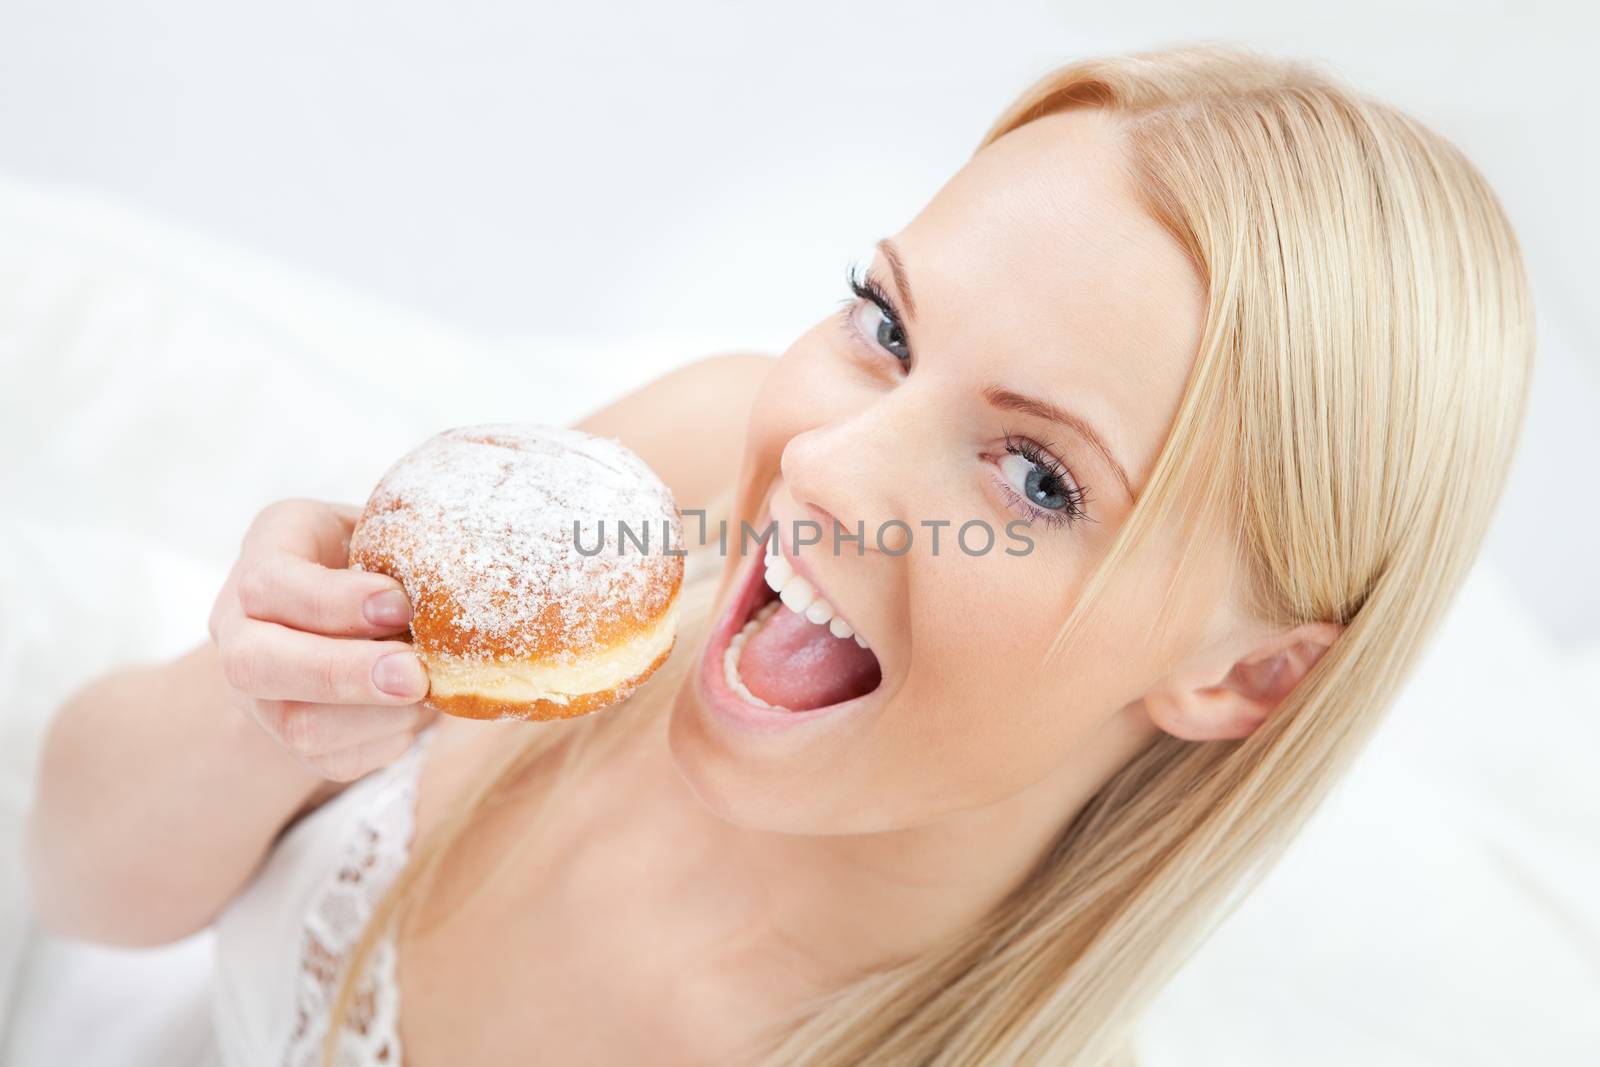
point(865, 287)
point(1040, 456)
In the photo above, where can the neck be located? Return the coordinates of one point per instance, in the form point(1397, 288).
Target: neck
point(810, 912)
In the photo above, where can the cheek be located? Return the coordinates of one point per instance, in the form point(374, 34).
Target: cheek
point(982, 713)
point(986, 620)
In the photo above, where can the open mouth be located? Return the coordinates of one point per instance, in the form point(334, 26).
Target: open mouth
point(783, 647)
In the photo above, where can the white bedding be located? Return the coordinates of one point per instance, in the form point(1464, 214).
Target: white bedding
point(1443, 909)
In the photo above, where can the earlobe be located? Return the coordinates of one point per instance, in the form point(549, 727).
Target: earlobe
point(1211, 714)
point(1251, 689)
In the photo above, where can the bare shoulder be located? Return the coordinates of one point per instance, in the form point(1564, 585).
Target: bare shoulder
point(723, 373)
point(689, 424)
point(715, 388)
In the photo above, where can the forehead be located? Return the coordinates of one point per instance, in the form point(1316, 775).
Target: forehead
point(1036, 266)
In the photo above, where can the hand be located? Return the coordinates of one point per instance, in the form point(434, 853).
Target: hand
point(300, 641)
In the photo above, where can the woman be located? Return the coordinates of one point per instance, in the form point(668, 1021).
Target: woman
point(1240, 353)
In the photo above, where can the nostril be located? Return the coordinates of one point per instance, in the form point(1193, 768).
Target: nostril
point(830, 522)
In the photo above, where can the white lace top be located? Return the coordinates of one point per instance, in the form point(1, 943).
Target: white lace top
point(282, 942)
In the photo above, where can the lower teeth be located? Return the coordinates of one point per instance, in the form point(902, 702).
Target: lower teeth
point(730, 658)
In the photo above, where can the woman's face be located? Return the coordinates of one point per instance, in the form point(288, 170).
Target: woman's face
point(1019, 378)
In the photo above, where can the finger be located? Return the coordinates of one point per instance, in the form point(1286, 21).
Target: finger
point(319, 729)
point(308, 529)
point(292, 591)
point(272, 662)
point(347, 514)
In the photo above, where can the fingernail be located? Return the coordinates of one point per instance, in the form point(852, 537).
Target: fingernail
point(401, 674)
point(388, 608)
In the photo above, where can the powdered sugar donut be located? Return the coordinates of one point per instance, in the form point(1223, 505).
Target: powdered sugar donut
point(543, 566)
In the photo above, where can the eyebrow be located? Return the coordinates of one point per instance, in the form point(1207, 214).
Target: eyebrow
point(1006, 400)
point(901, 282)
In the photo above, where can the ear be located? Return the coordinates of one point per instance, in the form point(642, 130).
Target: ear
point(1251, 688)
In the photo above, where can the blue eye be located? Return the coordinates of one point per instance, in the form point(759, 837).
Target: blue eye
point(1036, 482)
point(888, 334)
point(891, 336)
point(1037, 485)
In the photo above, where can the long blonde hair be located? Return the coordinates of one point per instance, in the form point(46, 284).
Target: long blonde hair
point(1348, 423)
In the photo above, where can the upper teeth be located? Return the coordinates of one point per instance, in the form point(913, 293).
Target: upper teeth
point(801, 597)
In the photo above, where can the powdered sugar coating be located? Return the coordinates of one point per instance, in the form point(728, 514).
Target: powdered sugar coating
point(477, 524)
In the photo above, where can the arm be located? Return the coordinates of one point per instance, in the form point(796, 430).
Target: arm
point(154, 802)
point(161, 788)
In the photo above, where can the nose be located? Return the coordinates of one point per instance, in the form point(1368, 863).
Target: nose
point(860, 468)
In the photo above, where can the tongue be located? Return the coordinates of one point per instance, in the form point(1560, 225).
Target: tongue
point(792, 662)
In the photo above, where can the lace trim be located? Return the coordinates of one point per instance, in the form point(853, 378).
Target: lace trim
point(374, 854)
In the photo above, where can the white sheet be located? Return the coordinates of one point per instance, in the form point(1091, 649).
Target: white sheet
point(159, 389)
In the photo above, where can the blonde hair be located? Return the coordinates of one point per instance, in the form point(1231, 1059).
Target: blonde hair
point(1348, 423)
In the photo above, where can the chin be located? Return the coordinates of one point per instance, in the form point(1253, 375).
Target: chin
point(824, 791)
point(763, 766)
